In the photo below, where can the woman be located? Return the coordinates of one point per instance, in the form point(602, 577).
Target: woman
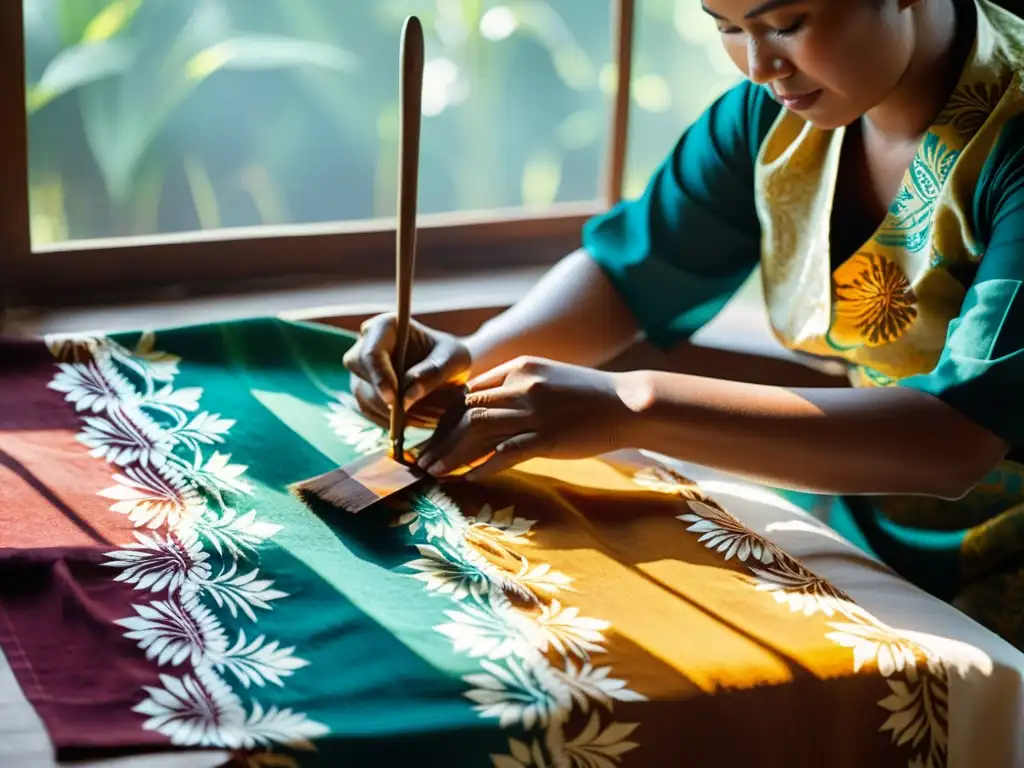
point(873, 164)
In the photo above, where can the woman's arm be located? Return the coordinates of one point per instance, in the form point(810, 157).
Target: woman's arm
point(662, 264)
point(573, 315)
point(837, 441)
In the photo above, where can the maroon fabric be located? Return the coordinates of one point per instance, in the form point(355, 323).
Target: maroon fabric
point(58, 604)
point(57, 613)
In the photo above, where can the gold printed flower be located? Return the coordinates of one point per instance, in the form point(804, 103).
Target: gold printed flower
point(875, 304)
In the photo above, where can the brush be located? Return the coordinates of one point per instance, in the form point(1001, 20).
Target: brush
point(366, 481)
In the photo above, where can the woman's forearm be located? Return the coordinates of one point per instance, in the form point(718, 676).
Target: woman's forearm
point(834, 441)
point(573, 315)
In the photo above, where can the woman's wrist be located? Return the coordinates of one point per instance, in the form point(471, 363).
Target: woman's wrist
point(637, 392)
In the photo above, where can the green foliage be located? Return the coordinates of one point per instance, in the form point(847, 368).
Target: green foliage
point(152, 116)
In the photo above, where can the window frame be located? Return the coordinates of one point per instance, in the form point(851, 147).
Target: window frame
point(108, 270)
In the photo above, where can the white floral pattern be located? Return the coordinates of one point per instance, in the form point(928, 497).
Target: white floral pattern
point(918, 703)
point(191, 555)
point(510, 619)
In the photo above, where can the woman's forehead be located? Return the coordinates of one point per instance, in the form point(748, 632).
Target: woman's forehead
point(736, 10)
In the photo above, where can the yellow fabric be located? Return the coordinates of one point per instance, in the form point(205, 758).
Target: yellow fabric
point(886, 309)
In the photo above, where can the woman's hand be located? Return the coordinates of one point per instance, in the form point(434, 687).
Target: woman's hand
point(531, 408)
point(437, 366)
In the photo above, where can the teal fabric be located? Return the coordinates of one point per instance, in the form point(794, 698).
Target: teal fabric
point(982, 365)
point(380, 679)
point(679, 252)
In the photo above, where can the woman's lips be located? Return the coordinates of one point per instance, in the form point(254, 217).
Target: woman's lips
point(798, 102)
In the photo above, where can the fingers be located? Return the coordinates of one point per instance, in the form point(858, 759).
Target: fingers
point(478, 433)
point(500, 397)
point(370, 405)
point(370, 358)
point(508, 454)
point(492, 378)
point(427, 375)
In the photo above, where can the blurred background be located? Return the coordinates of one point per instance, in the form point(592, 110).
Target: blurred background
point(162, 116)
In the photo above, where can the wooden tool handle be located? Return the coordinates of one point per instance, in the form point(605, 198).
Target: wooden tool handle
point(408, 179)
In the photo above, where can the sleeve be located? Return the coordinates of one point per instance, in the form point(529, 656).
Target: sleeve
point(678, 253)
point(981, 369)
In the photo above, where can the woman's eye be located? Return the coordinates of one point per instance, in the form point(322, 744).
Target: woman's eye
point(792, 29)
point(725, 29)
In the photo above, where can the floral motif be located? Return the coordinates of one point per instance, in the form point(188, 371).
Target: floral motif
point(506, 617)
point(491, 628)
point(160, 563)
point(970, 106)
point(793, 585)
point(874, 302)
point(189, 547)
point(918, 703)
point(665, 480)
point(725, 534)
point(432, 511)
point(517, 693)
point(94, 386)
point(360, 434)
point(155, 499)
point(502, 524)
point(876, 644)
point(567, 632)
point(919, 717)
point(171, 634)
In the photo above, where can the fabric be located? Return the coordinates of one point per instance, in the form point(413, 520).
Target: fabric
point(160, 588)
point(932, 300)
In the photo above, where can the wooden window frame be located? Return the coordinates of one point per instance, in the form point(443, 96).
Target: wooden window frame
point(90, 271)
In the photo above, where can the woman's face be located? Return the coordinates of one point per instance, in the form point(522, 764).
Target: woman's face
point(830, 61)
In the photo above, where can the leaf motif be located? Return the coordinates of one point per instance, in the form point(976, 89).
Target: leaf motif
point(238, 534)
point(240, 592)
point(260, 661)
point(281, 726)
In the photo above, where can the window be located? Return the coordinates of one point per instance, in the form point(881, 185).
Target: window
point(190, 141)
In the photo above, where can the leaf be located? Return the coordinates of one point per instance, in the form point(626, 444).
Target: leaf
point(111, 20)
point(79, 66)
point(262, 52)
point(504, 761)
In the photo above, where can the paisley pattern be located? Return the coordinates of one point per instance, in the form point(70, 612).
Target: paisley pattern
point(909, 222)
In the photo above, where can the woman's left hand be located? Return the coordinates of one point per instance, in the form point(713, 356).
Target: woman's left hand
point(530, 408)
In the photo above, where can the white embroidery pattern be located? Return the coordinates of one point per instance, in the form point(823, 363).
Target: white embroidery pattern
point(918, 702)
point(193, 559)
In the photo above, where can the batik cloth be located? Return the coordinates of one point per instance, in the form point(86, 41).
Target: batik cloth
point(160, 588)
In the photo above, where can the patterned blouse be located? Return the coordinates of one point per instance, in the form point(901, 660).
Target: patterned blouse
point(932, 301)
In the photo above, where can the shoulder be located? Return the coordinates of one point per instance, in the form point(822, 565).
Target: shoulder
point(1000, 188)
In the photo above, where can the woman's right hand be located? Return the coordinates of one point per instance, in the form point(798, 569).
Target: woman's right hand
point(437, 367)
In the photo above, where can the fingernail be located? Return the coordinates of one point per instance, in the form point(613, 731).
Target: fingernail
point(435, 469)
point(387, 396)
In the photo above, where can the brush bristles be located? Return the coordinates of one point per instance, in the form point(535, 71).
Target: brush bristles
point(360, 484)
point(339, 489)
